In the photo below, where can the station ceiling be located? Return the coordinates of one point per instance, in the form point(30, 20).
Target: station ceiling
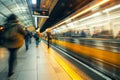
point(58, 10)
point(18, 7)
point(63, 9)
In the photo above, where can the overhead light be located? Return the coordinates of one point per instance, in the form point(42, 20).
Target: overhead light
point(40, 16)
point(101, 20)
point(82, 12)
point(36, 22)
point(90, 8)
point(34, 1)
point(112, 8)
point(94, 15)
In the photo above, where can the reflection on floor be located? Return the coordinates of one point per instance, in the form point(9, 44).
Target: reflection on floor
point(37, 64)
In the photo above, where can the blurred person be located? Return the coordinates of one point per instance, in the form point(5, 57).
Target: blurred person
point(37, 36)
point(13, 39)
point(27, 38)
point(31, 35)
point(49, 37)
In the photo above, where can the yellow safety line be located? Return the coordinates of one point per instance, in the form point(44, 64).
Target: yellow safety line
point(74, 75)
point(65, 65)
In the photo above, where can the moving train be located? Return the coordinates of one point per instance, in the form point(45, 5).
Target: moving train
point(94, 36)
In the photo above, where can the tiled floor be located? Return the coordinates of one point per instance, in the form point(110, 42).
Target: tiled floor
point(38, 64)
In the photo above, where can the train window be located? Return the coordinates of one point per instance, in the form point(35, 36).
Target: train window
point(106, 32)
point(96, 32)
point(117, 31)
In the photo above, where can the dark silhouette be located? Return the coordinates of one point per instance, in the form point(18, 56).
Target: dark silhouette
point(37, 36)
point(13, 37)
point(27, 38)
point(48, 38)
point(83, 34)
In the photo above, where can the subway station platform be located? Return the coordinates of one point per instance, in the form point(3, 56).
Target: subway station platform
point(40, 64)
point(43, 63)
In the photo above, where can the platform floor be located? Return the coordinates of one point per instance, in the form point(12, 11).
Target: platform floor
point(38, 64)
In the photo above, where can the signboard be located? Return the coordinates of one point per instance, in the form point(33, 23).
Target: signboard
point(41, 13)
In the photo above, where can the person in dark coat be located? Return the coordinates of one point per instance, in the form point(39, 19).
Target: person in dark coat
point(37, 36)
point(27, 38)
point(13, 37)
point(49, 37)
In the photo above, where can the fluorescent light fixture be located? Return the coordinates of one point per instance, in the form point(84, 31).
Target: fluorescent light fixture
point(36, 22)
point(40, 16)
point(101, 20)
point(82, 12)
point(34, 1)
point(94, 15)
point(92, 23)
point(112, 8)
point(90, 8)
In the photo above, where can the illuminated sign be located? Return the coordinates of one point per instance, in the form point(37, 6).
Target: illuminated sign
point(41, 13)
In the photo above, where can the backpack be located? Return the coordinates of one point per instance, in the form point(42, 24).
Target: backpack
point(36, 36)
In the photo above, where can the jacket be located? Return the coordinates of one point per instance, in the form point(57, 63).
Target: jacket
point(13, 35)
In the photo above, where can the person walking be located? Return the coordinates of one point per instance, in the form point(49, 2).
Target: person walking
point(49, 37)
point(13, 39)
point(37, 36)
point(27, 38)
point(31, 35)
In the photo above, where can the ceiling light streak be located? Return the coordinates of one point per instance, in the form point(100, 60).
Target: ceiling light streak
point(88, 9)
point(94, 15)
point(100, 21)
point(36, 22)
point(112, 8)
point(40, 16)
point(83, 12)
